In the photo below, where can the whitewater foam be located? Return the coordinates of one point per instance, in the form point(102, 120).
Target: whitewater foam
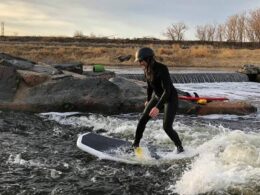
point(229, 159)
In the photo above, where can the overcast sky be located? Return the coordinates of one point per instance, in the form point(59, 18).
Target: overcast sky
point(119, 18)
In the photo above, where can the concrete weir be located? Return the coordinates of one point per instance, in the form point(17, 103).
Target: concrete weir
point(197, 77)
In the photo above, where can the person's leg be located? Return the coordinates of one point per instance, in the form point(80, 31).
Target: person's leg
point(143, 121)
point(169, 115)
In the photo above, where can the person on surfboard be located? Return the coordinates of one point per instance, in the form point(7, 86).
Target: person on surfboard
point(161, 94)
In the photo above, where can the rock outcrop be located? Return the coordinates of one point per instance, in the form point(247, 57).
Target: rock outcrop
point(9, 81)
point(236, 108)
point(37, 87)
point(252, 71)
point(34, 87)
point(76, 67)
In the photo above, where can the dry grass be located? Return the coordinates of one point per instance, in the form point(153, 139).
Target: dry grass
point(227, 53)
point(200, 52)
point(172, 55)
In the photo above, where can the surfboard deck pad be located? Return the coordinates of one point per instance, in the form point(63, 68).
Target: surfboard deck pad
point(102, 143)
point(110, 148)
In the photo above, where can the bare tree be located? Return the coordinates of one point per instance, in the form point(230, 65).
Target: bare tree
point(231, 28)
point(206, 32)
point(210, 32)
point(170, 33)
point(220, 32)
point(176, 31)
point(253, 26)
point(78, 33)
point(2, 29)
point(241, 27)
point(201, 32)
point(250, 32)
point(180, 29)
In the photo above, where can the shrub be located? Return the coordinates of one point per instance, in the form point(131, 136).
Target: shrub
point(165, 51)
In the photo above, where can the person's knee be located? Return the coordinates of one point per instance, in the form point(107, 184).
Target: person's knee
point(143, 120)
point(167, 127)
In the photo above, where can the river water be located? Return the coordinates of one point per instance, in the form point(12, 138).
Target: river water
point(39, 154)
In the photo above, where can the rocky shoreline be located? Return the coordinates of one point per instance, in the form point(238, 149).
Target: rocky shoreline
point(37, 87)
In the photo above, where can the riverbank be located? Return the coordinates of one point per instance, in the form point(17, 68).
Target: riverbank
point(121, 52)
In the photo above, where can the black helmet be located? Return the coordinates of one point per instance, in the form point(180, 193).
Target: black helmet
point(143, 53)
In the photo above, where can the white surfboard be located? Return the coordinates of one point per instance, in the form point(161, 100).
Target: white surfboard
point(115, 149)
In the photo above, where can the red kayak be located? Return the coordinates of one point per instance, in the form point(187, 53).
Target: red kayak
point(200, 98)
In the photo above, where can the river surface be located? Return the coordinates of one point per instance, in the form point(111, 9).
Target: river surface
point(38, 152)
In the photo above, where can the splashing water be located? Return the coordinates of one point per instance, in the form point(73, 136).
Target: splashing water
point(228, 160)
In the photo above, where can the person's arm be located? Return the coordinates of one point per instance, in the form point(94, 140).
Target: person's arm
point(166, 85)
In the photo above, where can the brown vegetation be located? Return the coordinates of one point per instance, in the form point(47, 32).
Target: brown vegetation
point(176, 54)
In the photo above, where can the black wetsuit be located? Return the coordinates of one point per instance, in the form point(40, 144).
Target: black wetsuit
point(162, 94)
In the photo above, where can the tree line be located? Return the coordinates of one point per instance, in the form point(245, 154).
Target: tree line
point(244, 27)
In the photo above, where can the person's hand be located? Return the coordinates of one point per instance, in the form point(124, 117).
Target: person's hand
point(146, 102)
point(154, 112)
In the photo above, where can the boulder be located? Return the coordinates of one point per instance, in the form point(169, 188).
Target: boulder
point(124, 58)
point(9, 81)
point(5, 62)
point(236, 107)
point(105, 75)
point(21, 64)
point(258, 78)
point(76, 67)
point(188, 107)
point(69, 94)
point(18, 63)
point(33, 78)
point(128, 87)
point(249, 69)
point(73, 94)
point(45, 69)
point(132, 95)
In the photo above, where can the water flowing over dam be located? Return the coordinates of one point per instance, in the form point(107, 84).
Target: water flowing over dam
point(197, 77)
